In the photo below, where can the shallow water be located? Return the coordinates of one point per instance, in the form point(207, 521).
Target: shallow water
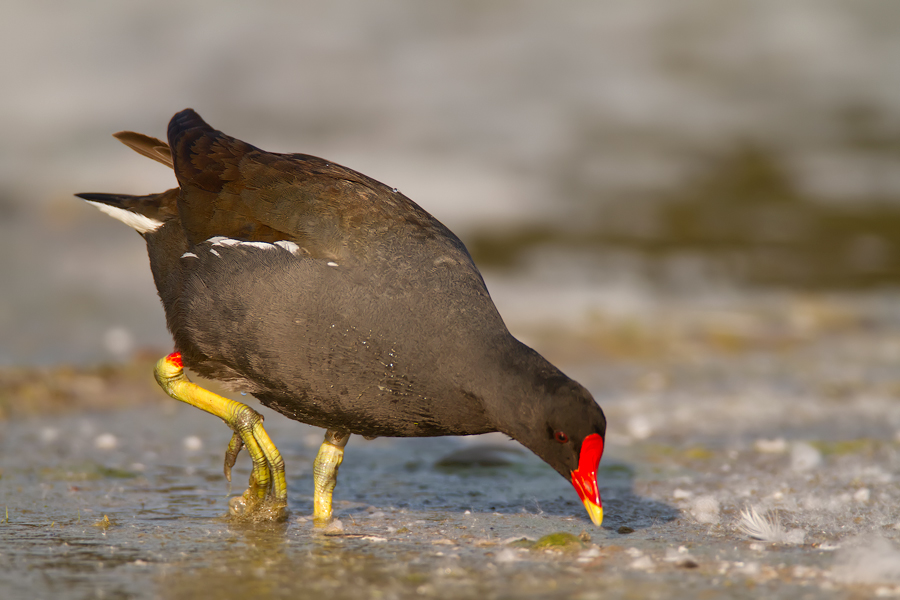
point(802, 428)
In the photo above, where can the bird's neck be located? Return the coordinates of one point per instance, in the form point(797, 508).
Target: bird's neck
point(519, 389)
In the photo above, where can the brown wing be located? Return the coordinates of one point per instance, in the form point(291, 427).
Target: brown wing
point(230, 188)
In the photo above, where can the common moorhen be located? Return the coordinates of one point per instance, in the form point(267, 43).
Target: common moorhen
point(339, 302)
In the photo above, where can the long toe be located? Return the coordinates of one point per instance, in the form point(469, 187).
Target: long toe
point(266, 497)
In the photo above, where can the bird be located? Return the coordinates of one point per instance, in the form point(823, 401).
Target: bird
point(336, 301)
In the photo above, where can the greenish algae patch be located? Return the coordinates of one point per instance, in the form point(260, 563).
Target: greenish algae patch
point(560, 540)
point(864, 446)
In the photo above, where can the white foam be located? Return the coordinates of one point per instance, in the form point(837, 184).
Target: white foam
point(705, 509)
point(868, 559)
point(804, 457)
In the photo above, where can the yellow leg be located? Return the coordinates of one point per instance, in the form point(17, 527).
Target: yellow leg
point(325, 470)
point(266, 498)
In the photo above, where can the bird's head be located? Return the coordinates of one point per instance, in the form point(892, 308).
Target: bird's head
point(567, 430)
point(575, 433)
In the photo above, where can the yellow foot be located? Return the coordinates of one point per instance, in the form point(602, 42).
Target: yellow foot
point(266, 498)
point(325, 470)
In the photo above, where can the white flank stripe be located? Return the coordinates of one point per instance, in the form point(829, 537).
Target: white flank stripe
point(220, 240)
point(289, 246)
point(189, 255)
point(263, 245)
point(224, 242)
point(331, 264)
point(139, 223)
point(213, 250)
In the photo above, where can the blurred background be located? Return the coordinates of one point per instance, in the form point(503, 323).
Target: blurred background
point(692, 207)
point(601, 160)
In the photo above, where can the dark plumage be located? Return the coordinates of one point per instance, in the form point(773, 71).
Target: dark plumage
point(339, 302)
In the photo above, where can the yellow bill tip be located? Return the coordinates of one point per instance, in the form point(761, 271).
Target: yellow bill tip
point(595, 512)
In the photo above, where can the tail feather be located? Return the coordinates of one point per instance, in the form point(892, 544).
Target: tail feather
point(147, 146)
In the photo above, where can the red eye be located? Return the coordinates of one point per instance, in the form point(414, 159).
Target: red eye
point(561, 437)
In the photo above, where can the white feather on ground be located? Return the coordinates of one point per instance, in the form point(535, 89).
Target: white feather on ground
point(767, 528)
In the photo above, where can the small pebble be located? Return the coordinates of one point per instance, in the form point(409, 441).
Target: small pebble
point(624, 530)
point(776, 446)
point(192, 443)
point(106, 441)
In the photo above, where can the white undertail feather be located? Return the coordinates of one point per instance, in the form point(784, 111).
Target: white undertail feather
point(139, 223)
